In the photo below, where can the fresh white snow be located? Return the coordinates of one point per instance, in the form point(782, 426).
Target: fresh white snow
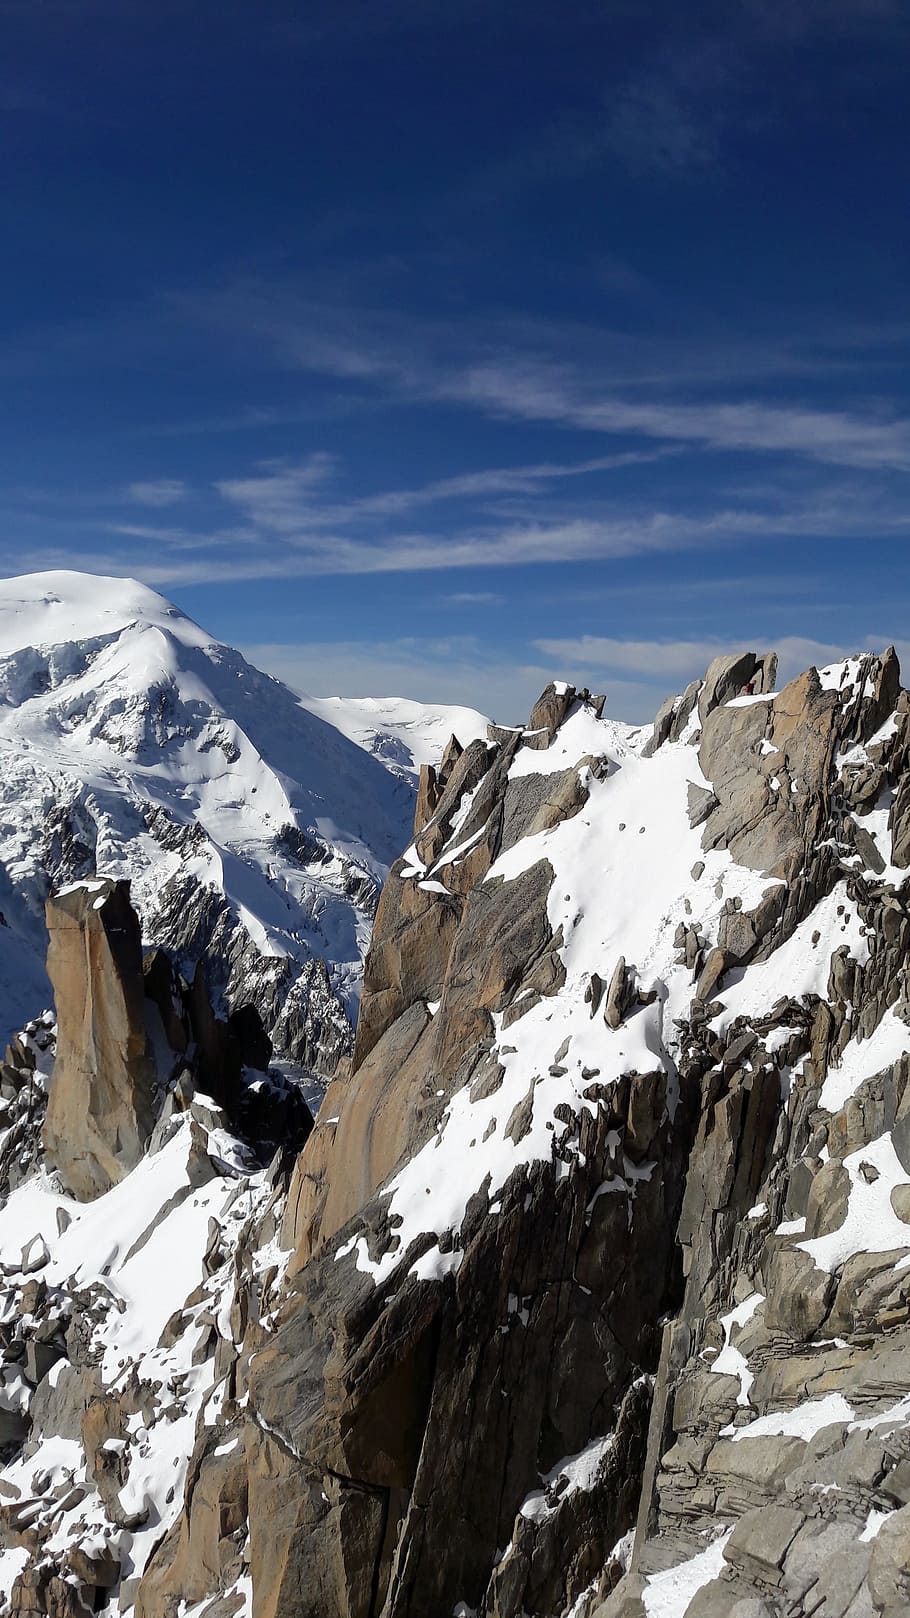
point(135, 1256)
point(668, 1594)
point(730, 1361)
point(622, 881)
point(803, 1421)
point(400, 733)
point(800, 966)
point(871, 1225)
point(575, 1472)
point(862, 1059)
point(132, 742)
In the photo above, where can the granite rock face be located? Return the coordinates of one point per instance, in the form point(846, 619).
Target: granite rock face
point(130, 1036)
point(142, 1159)
point(589, 1292)
point(779, 1433)
point(687, 1108)
point(100, 1110)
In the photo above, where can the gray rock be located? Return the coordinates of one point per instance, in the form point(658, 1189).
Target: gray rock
point(616, 995)
point(889, 1570)
point(711, 974)
point(728, 677)
point(59, 1403)
point(702, 803)
point(826, 1205)
point(760, 1541)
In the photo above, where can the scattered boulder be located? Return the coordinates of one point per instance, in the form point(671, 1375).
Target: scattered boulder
point(616, 995)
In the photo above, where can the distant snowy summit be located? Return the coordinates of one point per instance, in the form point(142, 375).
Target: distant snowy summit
point(256, 828)
point(402, 734)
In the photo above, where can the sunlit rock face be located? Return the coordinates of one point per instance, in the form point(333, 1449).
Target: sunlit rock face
point(100, 1110)
point(587, 1294)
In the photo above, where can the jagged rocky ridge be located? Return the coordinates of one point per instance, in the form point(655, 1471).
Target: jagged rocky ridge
point(589, 1293)
point(138, 1153)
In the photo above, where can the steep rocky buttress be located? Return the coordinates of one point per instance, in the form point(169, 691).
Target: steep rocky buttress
point(588, 1296)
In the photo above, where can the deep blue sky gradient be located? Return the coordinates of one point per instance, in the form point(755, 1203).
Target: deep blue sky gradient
point(437, 348)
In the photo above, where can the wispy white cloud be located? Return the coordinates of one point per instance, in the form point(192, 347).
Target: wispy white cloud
point(472, 598)
point(654, 659)
point(500, 480)
point(517, 545)
point(290, 523)
point(234, 540)
point(313, 546)
point(644, 385)
point(459, 669)
point(292, 499)
point(234, 554)
point(279, 497)
point(157, 492)
point(661, 662)
point(835, 437)
point(537, 371)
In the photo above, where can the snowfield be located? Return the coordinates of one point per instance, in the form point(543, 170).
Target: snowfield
point(402, 734)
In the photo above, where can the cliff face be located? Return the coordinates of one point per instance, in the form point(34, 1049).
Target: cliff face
point(139, 1151)
point(588, 1294)
point(622, 996)
point(100, 1110)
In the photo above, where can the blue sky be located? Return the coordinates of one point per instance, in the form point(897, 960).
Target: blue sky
point(434, 349)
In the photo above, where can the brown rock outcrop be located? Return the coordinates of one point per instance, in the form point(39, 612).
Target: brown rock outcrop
point(608, 1221)
point(743, 673)
point(100, 1108)
point(396, 1428)
point(201, 1555)
point(400, 1427)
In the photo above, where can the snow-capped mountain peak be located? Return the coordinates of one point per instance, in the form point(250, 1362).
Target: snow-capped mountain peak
point(401, 733)
point(255, 834)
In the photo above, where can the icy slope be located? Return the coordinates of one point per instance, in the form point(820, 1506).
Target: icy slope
point(402, 734)
point(254, 832)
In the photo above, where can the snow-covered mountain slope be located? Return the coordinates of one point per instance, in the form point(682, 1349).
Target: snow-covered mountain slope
point(402, 734)
point(255, 834)
point(619, 1185)
point(588, 1294)
point(115, 1318)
